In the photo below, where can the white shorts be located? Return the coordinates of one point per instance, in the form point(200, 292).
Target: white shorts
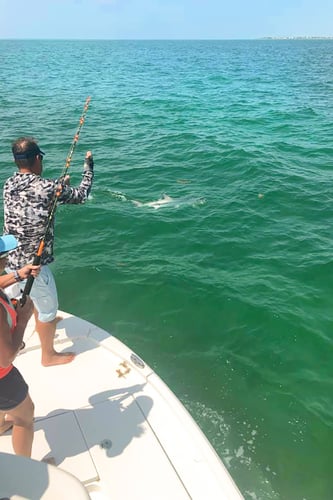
point(43, 294)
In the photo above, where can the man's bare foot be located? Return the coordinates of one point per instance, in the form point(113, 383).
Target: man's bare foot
point(58, 358)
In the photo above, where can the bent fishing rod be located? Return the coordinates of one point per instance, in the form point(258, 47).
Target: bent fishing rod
point(38, 255)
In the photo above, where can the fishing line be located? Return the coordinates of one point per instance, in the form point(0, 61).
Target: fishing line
point(38, 255)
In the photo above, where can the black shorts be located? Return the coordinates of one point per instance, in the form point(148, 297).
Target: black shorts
point(13, 390)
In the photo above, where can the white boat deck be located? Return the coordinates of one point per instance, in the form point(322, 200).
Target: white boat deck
point(109, 420)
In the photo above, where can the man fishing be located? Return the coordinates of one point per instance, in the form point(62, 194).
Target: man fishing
point(29, 207)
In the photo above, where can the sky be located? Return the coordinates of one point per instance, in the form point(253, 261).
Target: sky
point(164, 19)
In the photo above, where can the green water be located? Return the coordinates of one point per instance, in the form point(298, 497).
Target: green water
point(226, 291)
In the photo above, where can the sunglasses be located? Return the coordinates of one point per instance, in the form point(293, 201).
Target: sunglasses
point(3, 255)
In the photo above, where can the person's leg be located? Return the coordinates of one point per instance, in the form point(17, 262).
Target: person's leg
point(44, 296)
point(4, 425)
point(22, 419)
point(18, 410)
point(46, 332)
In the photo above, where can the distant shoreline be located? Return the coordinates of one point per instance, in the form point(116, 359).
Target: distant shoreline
point(296, 38)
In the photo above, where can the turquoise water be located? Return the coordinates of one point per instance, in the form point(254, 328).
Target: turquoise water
point(226, 291)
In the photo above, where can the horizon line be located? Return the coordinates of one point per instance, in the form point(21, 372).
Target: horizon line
point(269, 37)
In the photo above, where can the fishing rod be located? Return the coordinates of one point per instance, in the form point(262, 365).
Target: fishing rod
point(38, 255)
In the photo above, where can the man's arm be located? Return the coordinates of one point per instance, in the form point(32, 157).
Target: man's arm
point(19, 275)
point(81, 193)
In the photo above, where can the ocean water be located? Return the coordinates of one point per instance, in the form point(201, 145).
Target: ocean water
point(226, 288)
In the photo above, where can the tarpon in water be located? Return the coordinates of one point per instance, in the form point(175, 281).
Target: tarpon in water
point(165, 200)
point(168, 202)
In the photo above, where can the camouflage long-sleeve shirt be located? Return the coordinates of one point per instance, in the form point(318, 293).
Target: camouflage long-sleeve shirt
point(28, 199)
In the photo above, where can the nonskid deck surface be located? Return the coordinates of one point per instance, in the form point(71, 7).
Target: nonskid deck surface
point(109, 420)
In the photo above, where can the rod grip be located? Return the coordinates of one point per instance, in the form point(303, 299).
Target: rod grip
point(29, 282)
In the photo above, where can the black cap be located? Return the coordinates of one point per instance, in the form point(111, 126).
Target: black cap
point(30, 153)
